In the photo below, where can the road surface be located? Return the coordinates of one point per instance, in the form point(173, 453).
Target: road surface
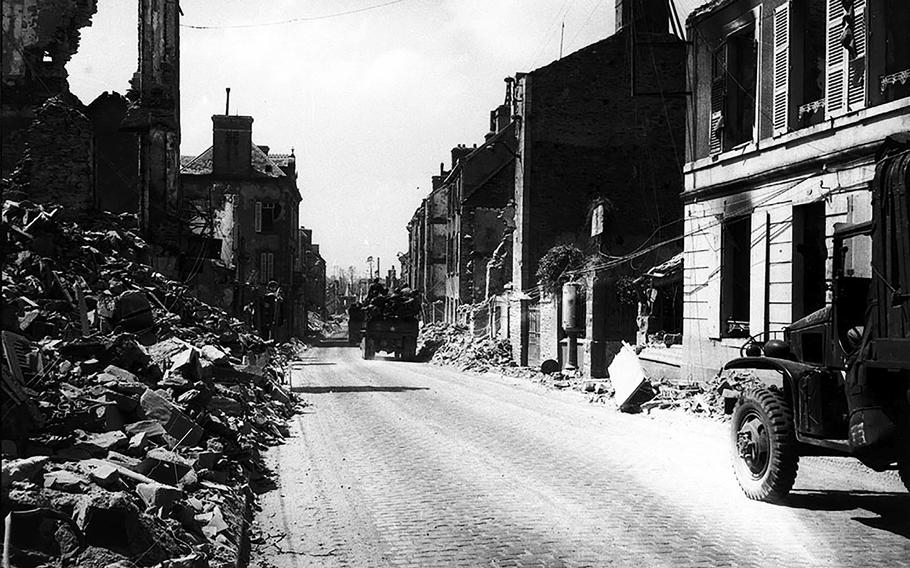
point(408, 464)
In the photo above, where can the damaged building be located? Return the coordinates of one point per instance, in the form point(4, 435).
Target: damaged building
point(791, 102)
point(242, 236)
point(600, 142)
point(480, 186)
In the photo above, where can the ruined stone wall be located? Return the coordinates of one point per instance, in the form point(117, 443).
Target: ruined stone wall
point(116, 167)
point(58, 166)
point(38, 40)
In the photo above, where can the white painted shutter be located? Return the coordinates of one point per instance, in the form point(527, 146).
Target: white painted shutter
point(856, 67)
point(718, 100)
point(781, 104)
point(257, 217)
point(263, 264)
point(835, 72)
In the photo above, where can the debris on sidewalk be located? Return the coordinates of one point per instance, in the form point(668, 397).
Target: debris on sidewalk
point(631, 387)
point(455, 345)
point(134, 415)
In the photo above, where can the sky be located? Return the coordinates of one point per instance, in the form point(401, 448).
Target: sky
point(371, 102)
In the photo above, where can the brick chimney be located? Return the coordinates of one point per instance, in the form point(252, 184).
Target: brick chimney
point(650, 15)
point(459, 152)
point(232, 141)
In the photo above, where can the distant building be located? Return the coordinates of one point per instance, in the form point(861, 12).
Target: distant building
point(243, 209)
point(480, 185)
point(427, 244)
point(791, 101)
point(313, 270)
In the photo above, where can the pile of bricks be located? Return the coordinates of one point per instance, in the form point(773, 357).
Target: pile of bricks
point(133, 414)
point(445, 344)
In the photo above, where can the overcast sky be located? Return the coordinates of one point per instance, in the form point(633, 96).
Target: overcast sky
point(371, 102)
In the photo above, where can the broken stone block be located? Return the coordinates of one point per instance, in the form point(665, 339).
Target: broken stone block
point(65, 481)
point(138, 443)
point(121, 374)
point(215, 355)
point(280, 395)
point(101, 444)
point(227, 405)
point(156, 495)
point(165, 466)
point(175, 422)
point(206, 369)
point(110, 416)
point(214, 524)
point(123, 461)
point(206, 460)
point(185, 361)
point(105, 475)
point(133, 312)
point(24, 469)
point(150, 428)
point(124, 403)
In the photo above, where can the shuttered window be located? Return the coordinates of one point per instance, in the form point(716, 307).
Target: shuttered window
point(856, 66)
point(257, 217)
point(266, 266)
point(781, 97)
point(718, 99)
point(835, 103)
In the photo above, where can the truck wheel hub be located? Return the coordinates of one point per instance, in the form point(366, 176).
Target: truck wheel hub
point(752, 444)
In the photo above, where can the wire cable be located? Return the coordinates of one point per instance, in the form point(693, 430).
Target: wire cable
point(293, 20)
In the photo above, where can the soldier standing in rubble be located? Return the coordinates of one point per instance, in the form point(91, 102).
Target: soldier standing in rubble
point(271, 309)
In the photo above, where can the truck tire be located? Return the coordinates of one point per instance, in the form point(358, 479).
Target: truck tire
point(763, 444)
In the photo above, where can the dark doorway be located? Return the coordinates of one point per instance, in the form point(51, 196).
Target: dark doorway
point(809, 257)
point(736, 273)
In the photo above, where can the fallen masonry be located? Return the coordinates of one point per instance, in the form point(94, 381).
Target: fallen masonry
point(134, 416)
point(454, 345)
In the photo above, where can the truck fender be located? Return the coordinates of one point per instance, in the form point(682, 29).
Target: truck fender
point(791, 370)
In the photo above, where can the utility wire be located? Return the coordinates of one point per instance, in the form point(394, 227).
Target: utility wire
point(293, 20)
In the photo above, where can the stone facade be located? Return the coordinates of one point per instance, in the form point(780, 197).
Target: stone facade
point(590, 132)
point(762, 197)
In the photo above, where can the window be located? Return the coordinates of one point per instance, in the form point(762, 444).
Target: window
point(810, 256)
point(733, 87)
point(265, 214)
point(895, 83)
point(735, 276)
point(808, 46)
point(845, 87)
point(266, 266)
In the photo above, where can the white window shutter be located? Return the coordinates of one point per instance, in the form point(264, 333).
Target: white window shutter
point(262, 267)
point(781, 104)
point(257, 220)
point(271, 262)
point(856, 66)
point(718, 100)
point(835, 72)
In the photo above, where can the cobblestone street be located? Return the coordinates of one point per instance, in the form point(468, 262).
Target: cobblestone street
point(405, 464)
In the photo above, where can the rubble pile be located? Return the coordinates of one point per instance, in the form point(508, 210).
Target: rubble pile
point(134, 415)
point(713, 399)
point(445, 344)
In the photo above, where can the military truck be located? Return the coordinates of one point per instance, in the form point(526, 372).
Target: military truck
point(844, 370)
point(386, 321)
point(397, 337)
